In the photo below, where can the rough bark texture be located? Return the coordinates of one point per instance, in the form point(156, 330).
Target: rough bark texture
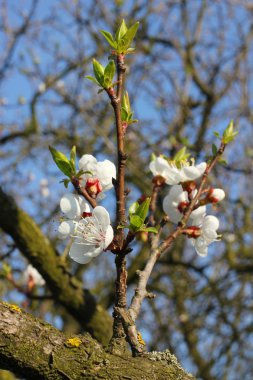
point(36, 350)
point(66, 289)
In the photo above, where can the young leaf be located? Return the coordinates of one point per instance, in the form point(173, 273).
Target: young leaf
point(126, 102)
point(73, 157)
point(62, 162)
point(130, 34)
point(130, 50)
point(135, 223)
point(214, 149)
point(109, 38)
point(121, 31)
point(109, 74)
point(149, 229)
point(142, 210)
point(181, 155)
point(92, 79)
point(229, 133)
point(216, 134)
point(98, 72)
point(66, 182)
point(132, 209)
point(124, 114)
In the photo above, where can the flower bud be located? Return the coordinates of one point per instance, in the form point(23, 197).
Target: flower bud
point(192, 232)
point(215, 195)
point(158, 180)
point(189, 186)
point(182, 207)
point(93, 186)
point(142, 236)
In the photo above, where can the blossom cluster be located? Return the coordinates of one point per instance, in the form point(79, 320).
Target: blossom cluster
point(181, 176)
point(89, 228)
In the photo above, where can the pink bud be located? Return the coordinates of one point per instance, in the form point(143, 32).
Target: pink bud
point(182, 206)
point(93, 186)
point(215, 195)
point(192, 232)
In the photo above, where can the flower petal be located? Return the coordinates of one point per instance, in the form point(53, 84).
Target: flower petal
point(201, 246)
point(84, 205)
point(87, 160)
point(194, 172)
point(211, 222)
point(102, 217)
point(82, 253)
point(66, 228)
point(106, 170)
point(70, 206)
point(197, 216)
point(108, 236)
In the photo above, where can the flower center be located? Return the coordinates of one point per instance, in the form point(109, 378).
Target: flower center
point(89, 232)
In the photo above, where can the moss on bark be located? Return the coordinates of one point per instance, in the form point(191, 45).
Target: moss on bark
point(36, 350)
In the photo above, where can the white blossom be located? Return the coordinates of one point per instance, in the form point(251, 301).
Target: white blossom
point(176, 201)
point(159, 167)
point(73, 206)
point(173, 174)
point(208, 229)
point(103, 171)
point(92, 236)
point(216, 195)
point(31, 272)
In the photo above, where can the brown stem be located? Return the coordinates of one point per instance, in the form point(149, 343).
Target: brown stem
point(153, 202)
point(119, 243)
point(82, 191)
point(122, 157)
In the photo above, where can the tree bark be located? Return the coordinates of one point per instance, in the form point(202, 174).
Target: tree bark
point(36, 350)
point(66, 289)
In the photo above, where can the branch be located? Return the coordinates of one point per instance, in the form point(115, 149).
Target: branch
point(120, 261)
point(54, 357)
point(65, 288)
point(141, 291)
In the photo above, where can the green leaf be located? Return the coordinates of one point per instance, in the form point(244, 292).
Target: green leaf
point(130, 50)
point(98, 72)
point(66, 182)
point(216, 134)
point(133, 121)
point(149, 229)
point(142, 210)
point(81, 172)
point(129, 35)
point(109, 74)
point(135, 222)
point(181, 155)
point(109, 38)
point(73, 158)
point(92, 79)
point(229, 133)
point(214, 149)
point(126, 102)
point(223, 162)
point(62, 162)
point(124, 114)
point(121, 31)
point(132, 209)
